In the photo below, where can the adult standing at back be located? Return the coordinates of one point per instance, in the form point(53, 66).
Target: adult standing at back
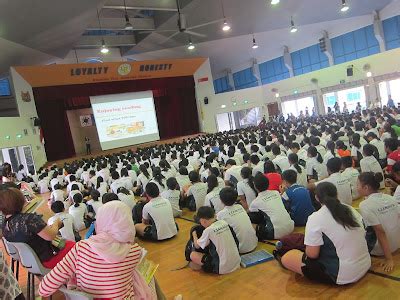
point(390, 102)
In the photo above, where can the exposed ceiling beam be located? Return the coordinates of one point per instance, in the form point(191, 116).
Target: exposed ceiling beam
point(89, 41)
point(121, 7)
point(119, 24)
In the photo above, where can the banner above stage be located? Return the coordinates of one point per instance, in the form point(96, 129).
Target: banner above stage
point(67, 74)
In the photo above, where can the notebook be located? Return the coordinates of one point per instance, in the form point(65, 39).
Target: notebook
point(255, 258)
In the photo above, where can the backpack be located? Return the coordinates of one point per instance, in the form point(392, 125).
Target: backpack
point(290, 242)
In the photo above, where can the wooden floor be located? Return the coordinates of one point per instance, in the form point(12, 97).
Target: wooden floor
point(264, 281)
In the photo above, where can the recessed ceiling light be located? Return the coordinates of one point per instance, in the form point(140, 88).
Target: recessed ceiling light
point(275, 2)
point(223, 106)
point(344, 7)
point(226, 26)
point(293, 28)
point(369, 74)
point(277, 95)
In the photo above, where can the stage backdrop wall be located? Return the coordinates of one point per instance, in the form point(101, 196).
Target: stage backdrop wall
point(174, 100)
point(79, 132)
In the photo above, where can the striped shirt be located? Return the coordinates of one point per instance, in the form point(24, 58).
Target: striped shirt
point(93, 275)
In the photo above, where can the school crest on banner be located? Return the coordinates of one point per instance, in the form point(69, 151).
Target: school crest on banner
point(86, 120)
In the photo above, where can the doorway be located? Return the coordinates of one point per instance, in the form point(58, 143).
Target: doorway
point(16, 156)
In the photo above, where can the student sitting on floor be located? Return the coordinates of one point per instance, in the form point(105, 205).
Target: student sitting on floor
point(267, 212)
point(197, 192)
point(215, 247)
point(67, 231)
point(212, 198)
point(157, 218)
point(351, 174)
point(245, 188)
point(237, 218)
point(336, 249)
point(297, 198)
point(79, 212)
point(370, 164)
point(173, 195)
point(381, 216)
point(57, 194)
point(126, 197)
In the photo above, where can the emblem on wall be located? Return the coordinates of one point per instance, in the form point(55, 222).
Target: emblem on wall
point(124, 69)
point(26, 97)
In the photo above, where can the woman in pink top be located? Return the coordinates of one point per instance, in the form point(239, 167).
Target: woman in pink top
point(105, 264)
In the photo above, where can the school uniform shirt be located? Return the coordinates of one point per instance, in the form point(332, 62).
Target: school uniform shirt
point(342, 185)
point(183, 180)
point(344, 252)
point(85, 177)
point(67, 231)
point(238, 219)
point(302, 154)
point(321, 149)
point(127, 199)
point(162, 187)
point(78, 213)
point(213, 200)
point(116, 185)
point(258, 168)
point(69, 186)
point(299, 203)
point(95, 204)
point(243, 188)
point(370, 164)
point(270, 203)
point(173, 196)
point(53, 182)
point(352, 176)
point(380, 146)
point(301, 177)
point(199, 192)
point(127, 182)
point(103, 189)
point(223, 247)
point(381, 209)
point(43, 186)
point(396, 194)
point(142, 181)
point(314, 166)
point(355, 152)
point(233, 174)
point(133, 175)
point(57, 195)
point(221, 182)
point(159, 211)
point(105, 173)
point(282, 162)
point(328, 155)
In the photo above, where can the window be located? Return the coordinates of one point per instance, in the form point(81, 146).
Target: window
point(387, 88)
point(349, 96)
point(309, 59)
point(391, 29)
point(244, 79)
point(93, 60)
point(355, 44)
point(297, 106)
point(238, 119)
point(5, 89)
point(221, 85)
point(273, 70)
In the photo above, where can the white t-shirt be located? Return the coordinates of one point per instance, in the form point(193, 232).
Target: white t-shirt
point(239, 220)
point(380, 146)
point(69, 186)
point(352, 176)
point(78, 213)
point(270, 203)
point(343, 187)
point(233, 171)
point(43, 186)
point(396, 194)
point(221, 182)
point(328, 155)
point(301, 177)
point(199, 192)
point(312, 165)
point(160, 211)
point(127, 199)
point(282, 162)
point(67, 231)
point(142, 181)
point(57, 195)
point(95, 204)
point(258, 168)
point(343, 252)
point(244, 189)
point(53, 182)
point(321, 149)
point(219, 234)
point(382, 209)
point(183, 180)
point(173, 197)
point(116, 185)
point(370, 164)
point(213, 200)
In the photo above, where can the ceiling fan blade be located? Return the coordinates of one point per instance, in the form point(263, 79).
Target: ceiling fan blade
point(206, 24)
point(170, 37)
point(195, 33)
point(156, 31)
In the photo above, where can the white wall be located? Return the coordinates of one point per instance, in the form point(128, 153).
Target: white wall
point(381, 64)
point(15, 125)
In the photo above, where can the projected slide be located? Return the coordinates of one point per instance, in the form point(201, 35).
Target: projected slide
point(125, 119)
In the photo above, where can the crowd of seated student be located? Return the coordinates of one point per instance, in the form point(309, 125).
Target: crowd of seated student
point(248, 185)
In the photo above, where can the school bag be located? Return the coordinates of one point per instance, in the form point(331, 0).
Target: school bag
point(290, 242)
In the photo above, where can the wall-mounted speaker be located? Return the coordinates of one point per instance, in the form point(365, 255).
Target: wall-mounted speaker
point(36, 122)
point(205, 100)
point(350, 71)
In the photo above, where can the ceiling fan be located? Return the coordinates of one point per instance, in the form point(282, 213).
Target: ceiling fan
point(182, 26)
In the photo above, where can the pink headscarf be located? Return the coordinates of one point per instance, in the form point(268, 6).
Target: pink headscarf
point(115, 233)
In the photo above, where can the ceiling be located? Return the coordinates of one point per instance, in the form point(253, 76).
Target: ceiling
point(33, 32)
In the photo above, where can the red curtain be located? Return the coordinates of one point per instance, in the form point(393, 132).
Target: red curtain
point(174, 100)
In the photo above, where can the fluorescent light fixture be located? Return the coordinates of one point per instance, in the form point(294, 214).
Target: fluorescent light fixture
point(234, 103)
point(104, 48)
point(226, 26)
point(246, 101)
point(19, 136)
point(296, 92)
point(7, 137)
point(255, 45)
point(223, 106)
point(293, 28)
point(369, 74)
point(277, 95)
point(191, 46)
point(344, 7)
point(275, 2)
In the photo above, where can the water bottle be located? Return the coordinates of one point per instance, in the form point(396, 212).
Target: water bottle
point(278, 245)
